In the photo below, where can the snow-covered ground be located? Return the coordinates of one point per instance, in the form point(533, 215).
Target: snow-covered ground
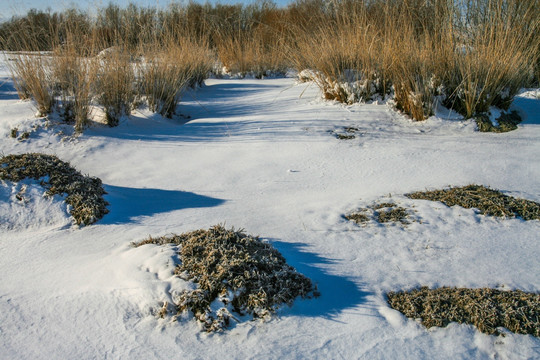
point(262, 155)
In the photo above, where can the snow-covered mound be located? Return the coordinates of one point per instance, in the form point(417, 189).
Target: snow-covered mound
point(25, 205)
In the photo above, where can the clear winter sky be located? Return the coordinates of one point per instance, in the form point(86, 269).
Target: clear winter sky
point(8, 8)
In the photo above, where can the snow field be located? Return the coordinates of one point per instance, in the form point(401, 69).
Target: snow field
point(260, 155)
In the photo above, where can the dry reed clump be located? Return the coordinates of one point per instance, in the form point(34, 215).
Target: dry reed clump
point(247, 54)
point(73, 77)
point(496, 47)
point(60, 80)
point(84, 193)
point(169, 70)
point(235, 272)
point(486, 309)
point(341, 58)
point(487, 201)
point(470, 55)
point(32, 79)
point(115, 85)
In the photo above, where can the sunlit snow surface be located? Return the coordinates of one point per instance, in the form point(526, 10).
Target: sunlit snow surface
point(262, 155)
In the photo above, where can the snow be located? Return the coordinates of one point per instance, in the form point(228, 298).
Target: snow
point(261, 155)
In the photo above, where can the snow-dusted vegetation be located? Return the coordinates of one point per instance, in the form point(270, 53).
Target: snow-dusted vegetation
point(300, 125)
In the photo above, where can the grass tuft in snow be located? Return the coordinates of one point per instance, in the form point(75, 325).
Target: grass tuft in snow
point(84, 193)
point(358, 217)
point(506, 122)
point(234, 272)
point(393, 214)
point(487, 201)
point(386, 212)
point(485, 308)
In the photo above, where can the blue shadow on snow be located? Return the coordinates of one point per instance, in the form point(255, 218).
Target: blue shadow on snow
point(126, 204)
point(337, 293)
point(530, 107)
point(7, 90)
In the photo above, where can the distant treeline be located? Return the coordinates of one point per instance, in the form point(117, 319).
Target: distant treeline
point(133, 26)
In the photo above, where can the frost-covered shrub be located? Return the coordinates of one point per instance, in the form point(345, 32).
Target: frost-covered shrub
point(235, 273)
point(487, 201)
point(84, 193)
point(487, 309)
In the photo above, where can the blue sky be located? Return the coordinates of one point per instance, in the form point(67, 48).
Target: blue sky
point(9, 8)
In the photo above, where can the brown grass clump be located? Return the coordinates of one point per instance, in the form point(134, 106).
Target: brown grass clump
point(242, 273)
point(487, 309)
point(84, 193)
point(393, 214)
point(487, 201)
point(358, 217)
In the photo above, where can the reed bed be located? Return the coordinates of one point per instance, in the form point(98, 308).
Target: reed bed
point(466, 54)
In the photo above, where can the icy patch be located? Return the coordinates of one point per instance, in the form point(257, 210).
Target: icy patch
point(25, 205)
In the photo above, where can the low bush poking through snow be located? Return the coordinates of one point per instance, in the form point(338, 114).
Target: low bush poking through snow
point(235, 272)
point(84, 193)
point(487, 309)
point(505, 123)
point(487, 201)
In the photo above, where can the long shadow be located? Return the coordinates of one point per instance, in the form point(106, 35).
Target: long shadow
point(212, 107)
point(208, 131)
point(7, 90)
point(128, 204)
point(337, 293)
point(223, 100)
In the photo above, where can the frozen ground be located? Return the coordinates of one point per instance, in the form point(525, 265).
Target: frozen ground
point(262, 155)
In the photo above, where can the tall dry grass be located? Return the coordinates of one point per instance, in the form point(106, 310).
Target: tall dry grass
point(250, 53)
point(115, 85)
point(72, 78)
point(168, 70)
point(75, 77)
point(496, 50)
point(32, 79)
point(474, 54)
point(471, 54)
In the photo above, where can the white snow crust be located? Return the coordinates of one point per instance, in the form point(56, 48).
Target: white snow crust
point(262, 155)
